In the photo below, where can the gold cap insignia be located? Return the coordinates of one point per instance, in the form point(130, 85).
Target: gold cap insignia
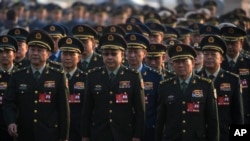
point(132, 37)
point(211, 40)
point(129, 27)
point(17, 32)
point(112, 29)
point(52, 28)
point(38, 36)
point(196, 44)
point(110, 38)
point(171, 43)
point(152, 15)
point(179, 49)
point(231, 30)
point(99, 29)
point(153, 47)
point(5, 39)
point(209, 29)
point(80, 29)
point(69, 41)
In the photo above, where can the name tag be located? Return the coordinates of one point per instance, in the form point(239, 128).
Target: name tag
point(121, 98)
point(193, 107)
point(44, 98)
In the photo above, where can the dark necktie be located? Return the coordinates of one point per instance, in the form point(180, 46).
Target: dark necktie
point(68, 76)
point(36, 75)
point(211, 77)
point(183, 87)
point(231, 64)
point(84, 65)
point(111, 77)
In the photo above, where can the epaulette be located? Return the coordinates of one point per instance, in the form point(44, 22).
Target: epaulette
point(166, 80)
point(233, 74)
point(131, 70)
point(154, 71)
point(54, 62)
point(94, 69)
point(19, 69)
point(205, 79)
point(56, 69)
point(82, 72)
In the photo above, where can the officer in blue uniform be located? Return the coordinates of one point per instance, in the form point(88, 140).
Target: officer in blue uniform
point(114, 108)
point(71, 49)
point(227, 85)
point(41, 20)
point(136, 52)
point(8, 48)
point(236, 63)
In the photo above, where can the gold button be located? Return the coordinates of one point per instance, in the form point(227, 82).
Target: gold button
point(36, 92)
point(184, 121)
point(56, 125)
point(110, 102)
point(183, 102)
point(35, 111)
point(35, 120)
point(184, 131)
point(49, 92)
point(110, 92)
point(183, 112)
point(110, 111)
point(1, 93)
point(22, 92)
point(35, 101)
point(110, 120)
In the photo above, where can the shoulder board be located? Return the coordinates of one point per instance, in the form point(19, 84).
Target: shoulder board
point(94, 69)
point(231, 73)
point(166, 81)
point(19, 69)
point(205, 79)
point(131, 70)
point(154, 71)
point(56, 69)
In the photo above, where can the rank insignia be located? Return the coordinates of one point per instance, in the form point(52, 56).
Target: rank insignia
point(49, 84)
point(225, 87)
point(148, 85)
point(124, 84)
point(79, 85)
point(197, 93)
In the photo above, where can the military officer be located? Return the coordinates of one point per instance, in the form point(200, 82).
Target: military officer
point(8, 48)
point(157, 32)
point(227, 85)
point(71, 49)
point(136, 51)
point(155, 59)
point(187, 103)
point(114, 107)
point(36, 101)
point(90, 59)
point(20, 35)
point(198, 65)
point(236, 63)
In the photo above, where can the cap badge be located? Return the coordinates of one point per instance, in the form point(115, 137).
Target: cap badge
point(132, 37)
point(209, 29)
point(231, 30)
point(69, 41)
point(196, 45)
point(17, 32)
point(52, 28)
point(129, 27)
point(5, 39)
point(179, 49)
point(211, 40)
point(99, 29)
point(151, 15)
point(171, 42)
point(80, 29)
point(112, 29)
point(38, 36)
point(110, 38)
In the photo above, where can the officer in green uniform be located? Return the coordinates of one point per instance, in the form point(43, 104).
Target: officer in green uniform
point(8, 48)
point(71, 49)
point(36, 101)
point(187, 107)
point(114, 107)
point(227, 85)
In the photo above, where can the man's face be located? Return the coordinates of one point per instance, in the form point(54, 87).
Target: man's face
point(135, 56)
point(70, 59)
point(183, 67)
point(212, 59)
point(156, 38)
point(155, 62)
point(112, 58)
point(89, 46)
point(38, 55)
point(22, 50)
point(56, 40)
point(7, 57)
point(199, 59)
point(233, 48)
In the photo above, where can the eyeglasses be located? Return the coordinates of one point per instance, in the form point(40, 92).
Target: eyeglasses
point(109, 53)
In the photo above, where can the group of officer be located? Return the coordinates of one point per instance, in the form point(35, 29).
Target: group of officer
point(132, 81)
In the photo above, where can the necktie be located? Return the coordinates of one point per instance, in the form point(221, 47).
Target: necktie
point(111, 77)
point(211, 77)
point(232, 64)
point(84, 65)
point(68, 75)
point(183, 87)
point(36, 75)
